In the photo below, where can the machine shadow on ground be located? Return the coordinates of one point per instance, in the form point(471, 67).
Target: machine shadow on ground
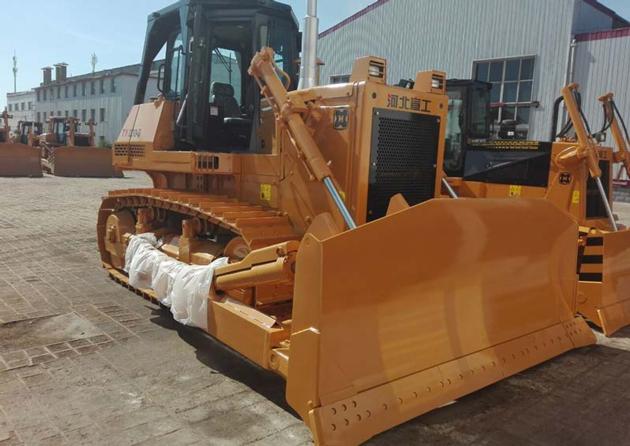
point(494, 415)
point(221, 359)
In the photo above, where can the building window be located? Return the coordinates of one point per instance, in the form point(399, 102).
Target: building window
point(101, 86)
point(58, 112)
point(66, 113)
point(511, 95)
point(45, 94)
point(39, 117)
point(52, 95)
point(10, 107)
point(93, 115)
point(30, 106)
point(74, 90)
point(340, 79)
point(75, 113)
point(65, 91)
point(102, 115)
point(82, 88)
point(22, 106)
point(112, 85)
point(38, 95)
point(92, 88)
point(44, 116)
point(84, 115)
point(58, 92)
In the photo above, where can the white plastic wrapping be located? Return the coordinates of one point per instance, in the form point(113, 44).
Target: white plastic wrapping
point(164, 278)
point(182, 287)
point(144, 265)
point(135, 243)
point(189, 295)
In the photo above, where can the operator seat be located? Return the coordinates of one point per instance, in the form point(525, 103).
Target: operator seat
point(236, 125)
point(223, 97)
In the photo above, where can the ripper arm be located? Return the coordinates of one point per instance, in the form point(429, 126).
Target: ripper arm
point(622, 155)
point(586, 148)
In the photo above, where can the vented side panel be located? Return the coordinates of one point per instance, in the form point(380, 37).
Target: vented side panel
point(403, 159)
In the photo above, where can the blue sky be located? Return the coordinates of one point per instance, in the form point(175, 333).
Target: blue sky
point(114, 30)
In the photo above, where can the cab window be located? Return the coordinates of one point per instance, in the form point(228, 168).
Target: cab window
point(227, 70)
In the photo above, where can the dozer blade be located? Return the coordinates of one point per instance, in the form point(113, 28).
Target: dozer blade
point(20, 160)
point(425, 305)
point(93, 162)
point(604, 287)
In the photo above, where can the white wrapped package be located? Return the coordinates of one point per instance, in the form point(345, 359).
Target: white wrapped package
point(144, 265)
point(164, 278)
point(135, 243)
point(190, 292)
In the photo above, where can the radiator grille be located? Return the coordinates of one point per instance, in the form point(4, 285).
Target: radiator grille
point(129, 150)
point(403, 159)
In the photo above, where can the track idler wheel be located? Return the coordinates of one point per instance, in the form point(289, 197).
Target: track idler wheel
point(118, 224)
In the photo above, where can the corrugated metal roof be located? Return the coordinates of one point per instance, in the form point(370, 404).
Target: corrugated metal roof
point(601, 35)
point(594, 3)
point(609, 12)
point(353, 17)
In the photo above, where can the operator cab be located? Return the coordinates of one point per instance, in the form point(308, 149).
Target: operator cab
point(473, 153)
point(200, 51)
point(468, 120)
point(26, 127)
point(59, 128)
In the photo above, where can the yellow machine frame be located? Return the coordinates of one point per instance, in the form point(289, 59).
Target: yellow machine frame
point(71, 160)
point(17, 159)
point(603, 259)
point(371, 321)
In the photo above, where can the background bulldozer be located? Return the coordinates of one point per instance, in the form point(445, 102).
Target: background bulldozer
point(28, 133)
point(299, 227)
point(572, 171)
point(67, 153)
point(17, 159)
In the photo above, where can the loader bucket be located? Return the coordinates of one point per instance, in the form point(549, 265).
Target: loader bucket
point(412, 311)
point(93, 162)
point(20, 160)
point(604, 287)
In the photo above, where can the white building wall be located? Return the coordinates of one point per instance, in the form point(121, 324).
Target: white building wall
point(116, 104)
point(21, 106)
point(602, 66)
point(449, 35)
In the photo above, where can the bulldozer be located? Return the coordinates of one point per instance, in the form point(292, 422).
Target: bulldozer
point(67, 153)
point(300, 227)
point(572, 171)
point(17, 159)
point(28, 133)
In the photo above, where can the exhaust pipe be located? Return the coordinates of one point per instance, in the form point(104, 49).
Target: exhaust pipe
point(308, 66)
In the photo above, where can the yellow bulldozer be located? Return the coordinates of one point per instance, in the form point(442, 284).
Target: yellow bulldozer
point(17, 158)
point(573, 171)
point(300, 226)
point(67, 153)
point(28, 133)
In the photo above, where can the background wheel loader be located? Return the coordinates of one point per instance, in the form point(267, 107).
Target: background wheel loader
point(17, 158)
point(67, 153)
point(572, 172)
point(299, 227)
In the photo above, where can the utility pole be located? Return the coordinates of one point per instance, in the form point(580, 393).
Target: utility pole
point(94, 62)
point(15, 71)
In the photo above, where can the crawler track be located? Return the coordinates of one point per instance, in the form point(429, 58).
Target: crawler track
point(258, 226)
